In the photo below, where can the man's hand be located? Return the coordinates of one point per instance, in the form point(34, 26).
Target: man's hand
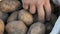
point(40, 5)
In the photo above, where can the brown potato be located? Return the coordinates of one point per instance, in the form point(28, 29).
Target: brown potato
point(1, 26)
point(16, 27)
point(37, 28)
point(9, 5)
point(13, 17)
point(26, 17)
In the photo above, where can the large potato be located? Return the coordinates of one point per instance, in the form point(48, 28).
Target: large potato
point(37, 28)
point(1, 26)
point(13, 17)
point(9, 5)
point(16, 27)
point(25, 16)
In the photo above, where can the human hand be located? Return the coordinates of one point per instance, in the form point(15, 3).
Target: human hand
point(40, 5)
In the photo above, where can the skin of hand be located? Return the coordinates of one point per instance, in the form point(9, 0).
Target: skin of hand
point(40, 5)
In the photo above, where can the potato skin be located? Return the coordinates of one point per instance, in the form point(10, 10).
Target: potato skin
point(9, 5)
point(26, 17)
point(16, 27)
point(37, 28)
point(1, 26)
point(13, 17)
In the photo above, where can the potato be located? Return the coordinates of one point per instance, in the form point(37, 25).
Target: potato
point(37, 28)
point(13, 17)
point(16, 27)
point(26, 17)
point(9, 5)
point(1, 26)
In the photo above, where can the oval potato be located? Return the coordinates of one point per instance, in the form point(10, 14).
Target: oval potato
point(26, 17)
point(9, 5)
point(37, 28)
point(16, 27)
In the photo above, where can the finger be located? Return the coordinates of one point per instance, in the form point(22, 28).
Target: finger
point(32, 8)
point(0, 0)
point(48, 11)
point(25, 5)
point(41, 14)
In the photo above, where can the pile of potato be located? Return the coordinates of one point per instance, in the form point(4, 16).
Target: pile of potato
point(16, 20)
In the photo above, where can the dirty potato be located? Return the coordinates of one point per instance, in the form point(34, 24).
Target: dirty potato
point(9, 5)
point(26, 17)
point(13, 17)
point(37, 28)
point(1, 26)
point(16, 27)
